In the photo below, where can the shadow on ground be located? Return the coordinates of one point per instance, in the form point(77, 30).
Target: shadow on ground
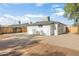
point(17, 45)
point(22, 44)
point(15, 42)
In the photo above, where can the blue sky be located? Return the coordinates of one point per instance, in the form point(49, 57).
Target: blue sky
point(11, 13)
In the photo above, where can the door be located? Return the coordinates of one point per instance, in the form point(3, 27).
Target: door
point(56, 29)
point(55, 32)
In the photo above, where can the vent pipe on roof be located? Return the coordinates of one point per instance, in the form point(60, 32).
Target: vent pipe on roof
point(48, 18)
point(19, 22)
point(30, 22)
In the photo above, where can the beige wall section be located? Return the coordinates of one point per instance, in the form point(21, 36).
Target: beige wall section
point(4, 30)
point(73, 29)
point(24, 29)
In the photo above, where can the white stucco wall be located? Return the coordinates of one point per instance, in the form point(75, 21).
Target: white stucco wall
point(44, 30)
point(54, 29)
point(61, 29)
point(57, 29)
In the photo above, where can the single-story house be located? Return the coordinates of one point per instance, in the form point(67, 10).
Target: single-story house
point(46, 27)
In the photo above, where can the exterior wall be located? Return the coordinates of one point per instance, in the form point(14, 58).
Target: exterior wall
point(19, 29)
point(54, 29)
point(44, 30)
point(61, 29)
point(57, 29)
point(24, 29)
point(4, 30)
point(73, 29)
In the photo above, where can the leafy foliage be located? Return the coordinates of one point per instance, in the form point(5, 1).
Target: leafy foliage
point(72, 11)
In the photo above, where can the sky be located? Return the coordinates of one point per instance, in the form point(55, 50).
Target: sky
point(12, 13)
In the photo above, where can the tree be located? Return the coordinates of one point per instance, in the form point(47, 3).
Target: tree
point(72, 11)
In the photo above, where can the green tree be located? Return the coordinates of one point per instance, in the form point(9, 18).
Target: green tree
point(72, 11)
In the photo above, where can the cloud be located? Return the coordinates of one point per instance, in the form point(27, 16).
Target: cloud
point(6, 21)
point(59, 14)
point(39, 4)
point(10, 16)
point(32, 15)
point(17, 4)
point(9, 4)
point(59, 9)
point(9, 19)
point(56, 9)
point(55, 6)
point(23, 19)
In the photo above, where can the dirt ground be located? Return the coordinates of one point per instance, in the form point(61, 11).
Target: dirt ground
point(69, 40)
point(28, 45)
point(48, 50)
point(3, 36)
point(11, 35)
point(38, 50)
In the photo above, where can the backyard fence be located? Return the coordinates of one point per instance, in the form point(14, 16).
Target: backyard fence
point(73, 29)
point(5, 30)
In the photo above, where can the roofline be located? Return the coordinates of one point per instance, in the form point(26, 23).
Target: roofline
point(34, 24)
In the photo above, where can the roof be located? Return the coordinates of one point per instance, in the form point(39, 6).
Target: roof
point(35, 24)
point(18, 25)
point(44, 23)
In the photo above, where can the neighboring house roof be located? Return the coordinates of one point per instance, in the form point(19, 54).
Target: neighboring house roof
point(18, 25)
point(44, 23)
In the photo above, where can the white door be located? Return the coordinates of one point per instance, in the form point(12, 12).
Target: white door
point(56, 29)
point(55, 32)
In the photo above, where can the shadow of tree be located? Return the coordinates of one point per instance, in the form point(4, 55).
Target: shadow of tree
point(17, 42)
point(24, 43)
point(15, 52)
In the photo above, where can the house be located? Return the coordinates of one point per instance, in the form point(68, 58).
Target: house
point(46, 27)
